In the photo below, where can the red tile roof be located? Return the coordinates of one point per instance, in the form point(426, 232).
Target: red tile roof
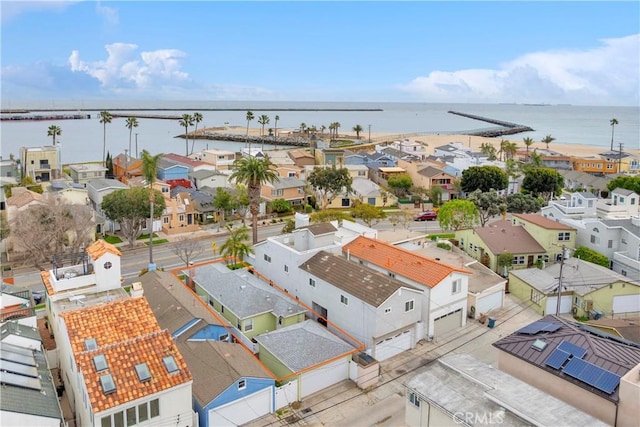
point(46, 279)
point(424, 270)
point(127, 334)
point(100, 247)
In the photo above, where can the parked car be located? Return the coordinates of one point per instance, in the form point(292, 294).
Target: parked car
point(426, 216)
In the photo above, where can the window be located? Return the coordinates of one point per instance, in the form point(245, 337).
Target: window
point(100, 363)
point(118, 419)
point(154, 408)
point(142, 370)
point(518, 260)
point(387, 310)
point(539, 345)
point(623, 241)
point(223, 337)
point(371, 201)
point(414, 399)
point(108, 386)
point(456, 286)
point(344, 300)
point(105, 421)
point(362, 173)
point(286, 268)
point(181, 218)
point(165, 220)
point(90, 344)
point(564, 237)
point(345, 203)
point(242, 384)
point(170, 364)
point(312, 282)
point(595, 240)
point(248, 325)
point(610, 244)
point(143, 412)
point(408, 305)
point(131, 416)
point(267, 258)
point(536, 296)
point(392, 274)
point(107, 265)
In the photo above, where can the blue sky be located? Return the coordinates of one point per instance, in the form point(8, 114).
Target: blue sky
point(583, 53)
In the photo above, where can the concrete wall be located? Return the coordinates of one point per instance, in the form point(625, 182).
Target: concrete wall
point(629, 394)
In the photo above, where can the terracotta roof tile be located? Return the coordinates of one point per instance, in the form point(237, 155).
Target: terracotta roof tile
point(127, 334)
point(424, 270)
point(46, 279)
point(100, 247)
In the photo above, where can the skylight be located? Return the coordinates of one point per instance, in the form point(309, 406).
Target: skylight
point(539, 345)
point(143, 372)
point(170, 364)
point(100, 362)
point(90, 344)
point(107, 383)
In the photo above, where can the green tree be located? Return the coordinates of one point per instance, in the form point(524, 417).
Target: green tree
point(186, 121)
point(489, 204)
point(280, 205)
point(435, 195)
point(30, 184)
point(236, 246)
point(130, 208)
point(54, 131)
point(329, 215)
point(289, 226)
point(613, 122)
point(197, 118)
point(222, 202)
point(625, 181)
point(109, 166)
point(528, 142)
point(505, 260)
point(484, 178)
point(240, 201)
point(329, 182)
point(400, 183)
point(542, 182)
point(399, 218)
point(522, 203)
point(458, 214)
point(105, 119)
point(150, 174)
point(488, 150)
point(131, 123)
point(249, 116)
point(253, 172)
point(369, 214)
point(275, 132)
point(263, 120)
point(357, 129)
point(510, 149)
point(589, 255)
point(548, 140)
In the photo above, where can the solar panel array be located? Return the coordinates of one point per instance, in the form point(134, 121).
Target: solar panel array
point(18, 367)
point(539, 326)
point(593, 375)
point(573, 349)
point(557, 358)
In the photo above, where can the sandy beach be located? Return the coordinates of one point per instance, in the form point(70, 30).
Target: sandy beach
point(433, 141)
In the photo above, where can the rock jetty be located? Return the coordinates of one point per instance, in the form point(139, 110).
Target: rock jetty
point(506, 128)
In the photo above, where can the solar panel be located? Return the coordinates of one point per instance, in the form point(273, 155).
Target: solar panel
point(576, 350)
point(607, 382)
point(17, 368)
point(593, 375)
point(538, 326)
point(20, 381)
point(15, 349)
point(550, 327)
point(574, 367)
point(557, 358)
point(18, 358)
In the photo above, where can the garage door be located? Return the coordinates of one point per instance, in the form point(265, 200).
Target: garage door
point(393, 345)
point(565, 305)
point(626, 304)
point(242, 411)
point(324, 376)
point(447, 323)
point(490, 302)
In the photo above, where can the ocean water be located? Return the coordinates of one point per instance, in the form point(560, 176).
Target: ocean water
point(82, 140)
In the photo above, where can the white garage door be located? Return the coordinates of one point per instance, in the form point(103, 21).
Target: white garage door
point(447, 323)
point(626, 304)
point(565, 305)
point(324, 376)
point(490, 302)
point(393, 345)
point(241, 412)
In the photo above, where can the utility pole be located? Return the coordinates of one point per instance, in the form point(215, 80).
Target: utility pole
point(137, 152)
point(620, 157)
point(560, 281)
point(369, 134)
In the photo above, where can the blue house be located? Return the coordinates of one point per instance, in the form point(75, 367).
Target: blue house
point(169, 170)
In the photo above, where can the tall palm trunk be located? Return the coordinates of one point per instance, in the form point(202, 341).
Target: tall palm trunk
point(152, 200)
point(254, 208)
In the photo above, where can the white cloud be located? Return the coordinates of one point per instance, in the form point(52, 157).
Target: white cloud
point(12, 9)
point(109, 14)
point(607, 74)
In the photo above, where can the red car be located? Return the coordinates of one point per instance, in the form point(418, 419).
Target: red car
point(426, 216)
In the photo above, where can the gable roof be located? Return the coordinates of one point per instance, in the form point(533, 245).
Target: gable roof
point(419, 268)
point(21, 196)
point(543, 222)
point(365, 187)
point(127, 334)
point(184, 161)
point(319, 228)
point(502, 236)
point(364, 283)
point(100, 247)
point(431, 171)
point(609, 353)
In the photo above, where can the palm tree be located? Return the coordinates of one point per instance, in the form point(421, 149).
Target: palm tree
point(186, 121)
point(54, 131)
point(510, 150)
point(336, 126)
point(613, 123)
point(150, 172)
point(249, 118)
point(528, 142)
point(197, 118)
point(253, 172)
point(548, 140)
point(303, 127)
point(236, 245)
point(131, 123)
point(503, 144)
point(263, 120)
point(357, 129)
point(105, 119)
point(275, 132)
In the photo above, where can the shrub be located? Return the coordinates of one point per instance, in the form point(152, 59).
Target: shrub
point(586, 254)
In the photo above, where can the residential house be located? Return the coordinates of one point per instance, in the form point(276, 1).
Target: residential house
point(412, 147)
point(179, 215)
point(379, 311)
point(21, 200)
point(329, 156)
point(119, 365)
point(623, 204)
point(29, 395)
point(82, 173)
point(192, 164)
point(355, 171)
point(221, 159)
point(579, 205)
point(42, 164)
point(381, 175)
point(394, 154)
point(625, 328)
point(588, 290)
point(580, 366)
point(159, 185)
point(126, 166)
point(553, 236)
point(9, 168)
point(202, 201)
point(486, 244)
point(209, 178)
point(290, 189)
point(69, 192)
point(438, 178)
point(583, 181)
point(557, 161)
point(461, 390)
point(627, 163)
point(444, 300)
point(17, 304)
point(302, 158)
point(97, 190)
point(366, 191)
point(168, 170)
point(243, 389)
point(595, 165)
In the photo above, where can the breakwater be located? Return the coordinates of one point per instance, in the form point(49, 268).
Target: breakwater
point(289, 141)
point(37, 117)
point(506, 128)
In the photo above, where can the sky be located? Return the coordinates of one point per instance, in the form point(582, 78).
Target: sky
point(555, 52)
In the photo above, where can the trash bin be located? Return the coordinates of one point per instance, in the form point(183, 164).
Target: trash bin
point(492, 322)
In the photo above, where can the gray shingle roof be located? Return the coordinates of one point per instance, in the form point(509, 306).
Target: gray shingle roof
point(303, 345)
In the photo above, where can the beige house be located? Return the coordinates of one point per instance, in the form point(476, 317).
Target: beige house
point(221, 159)
point(179, 215)
point(552, 235)
point(290, 189)
point(590, 371)
point(84, 172)
point(41, 163)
